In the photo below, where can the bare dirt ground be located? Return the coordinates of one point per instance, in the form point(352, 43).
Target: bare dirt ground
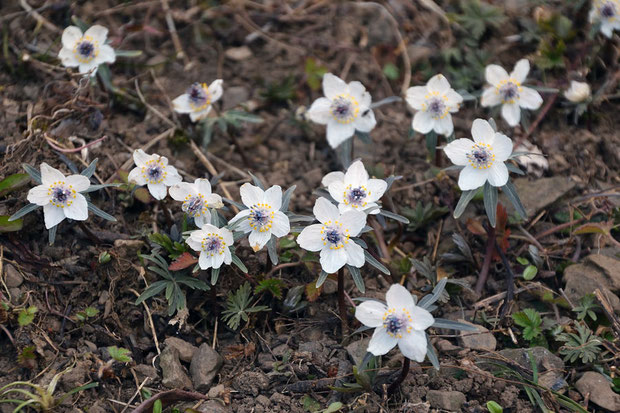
point(284, 361)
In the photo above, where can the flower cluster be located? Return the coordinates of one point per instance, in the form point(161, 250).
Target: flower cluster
point(87, 50)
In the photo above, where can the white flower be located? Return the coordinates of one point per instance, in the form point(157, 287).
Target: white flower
point(154, 172)
point(483, 157)
point(578, 92)
point(434, 103)
point(85, 51)
point(332, 236)
point(263, 216)
point(344, 109)
point(400, 322)
point(607, 13)
point(198, 99)
point(213, 244)
point(197, 199)
point(60, 196)
point(354, 190)
point(506, 90)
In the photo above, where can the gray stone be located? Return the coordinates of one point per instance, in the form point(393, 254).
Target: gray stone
point(539, 194)
point(186, 350)
point(205, 365)
point(447, 400)
point(146, 370)
point(238, 53)
point(585, 278)
point(477, 340)
point(358, 349)
point(599, 389)
point(234, 96)
point(214, 406)
point(12, 277)
point(609, 266)
point(216, 391)
point(174, 374)
point(545, 360)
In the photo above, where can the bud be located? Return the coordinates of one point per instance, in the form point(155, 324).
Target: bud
point(578, 92)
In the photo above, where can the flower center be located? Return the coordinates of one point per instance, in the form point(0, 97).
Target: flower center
point(154, 172)
point(62, 195)
point(345, 108)
point(213, 244)
point(481, 156)
point(334, 235)
point(199, 96)
point(356, 196)
point(397, 322)
point(261, 217)
point(608, 10)
point(509, 91)
point(85, 50)
point(194, 206)
point(436, 106)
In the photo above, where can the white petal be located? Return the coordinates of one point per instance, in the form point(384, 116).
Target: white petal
point(339, 132)
point(439, 84)
point(342, 207)
point(325, 211)
point(244, 225)
point(39, 195)
point(454, 100)
point(218, 259)
point(320, 112)
point(200, 115)
point(273, 197)
point(89, 69)
point(98, 33)
point(205, 261)
point(355, 254)
point(332, 260)
point(370, 313)
point(471, 178)
point(70, 37)
point(498, 174)
point(366, 121)
point(281, 225)
point(490, 97)
point(337, 191)
point(310, 238)
point(511, 113)
point(381, 342)
point(336, 176)
point(522, 68)
point(495, 74)
point(422, 319)
point(78, 182)
point(50, 175)
point(258, 239)
point(140, 157)
point(135, 176)
point(78, 210)
point(158, 191)
point(372, 208)
point(227, 235)
point(530, 99)
point(202, 219)
point(181, 104)
point(458, 149)
point(181, 191)
point(607, 28)
point(358, 91)
point(354, 221)
point(203, 186)
point(67, 58)
point(214, 201)
point(194, 243)
point(333, 86)
point(172, 176)
point(376, 189)
point(416, 97)
point(399, 297)
point(423, 122)
point(227, 256)
point(502, 147)
point(482, 131)
point(444, 126)
point(216, 90)
point(251, 195)
point(53, 215)
point(106, 54)
point(413, 345)
point(356, 175)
